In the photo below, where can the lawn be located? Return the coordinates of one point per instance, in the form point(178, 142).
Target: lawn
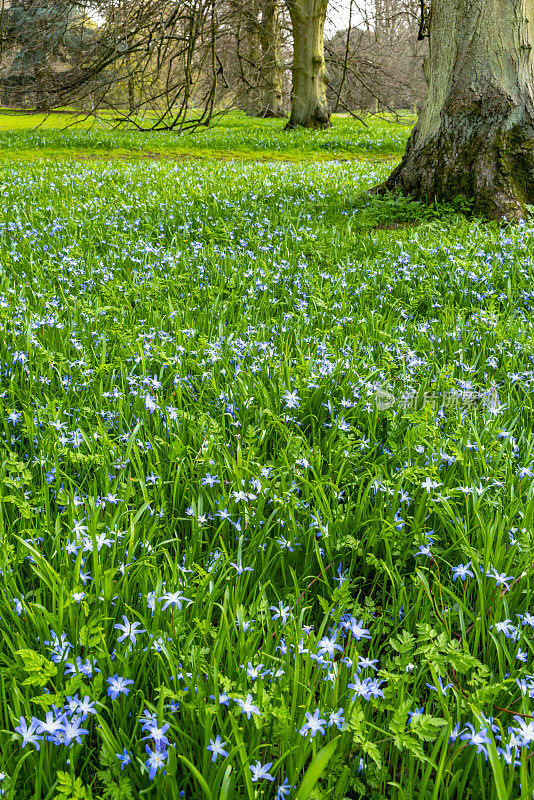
point(266, 477)
point(231, 136)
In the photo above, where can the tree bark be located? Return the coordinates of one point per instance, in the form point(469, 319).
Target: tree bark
point(475, 137)
point(272, 63)
point(309, 105)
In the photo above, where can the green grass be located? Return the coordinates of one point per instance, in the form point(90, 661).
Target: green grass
point(231, 136)
point(255, 392)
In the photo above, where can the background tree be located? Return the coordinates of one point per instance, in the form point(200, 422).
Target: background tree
point(245, 20)
point(376, 63)
point(475, 137)
point(256, 50)
point(40, 41)
point(174, 65)
point(162, 56)
point(309, 104)
point(273, 64)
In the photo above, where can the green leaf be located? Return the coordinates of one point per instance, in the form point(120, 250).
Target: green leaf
point(225, 785)
point(403, 643)
point(71, 788)
point(400, 717)
point(201, 780)
point(495, 763)
point(426, 727)
point(371, 749)
point(356, 722)
point(316, 769)
point(405, 742)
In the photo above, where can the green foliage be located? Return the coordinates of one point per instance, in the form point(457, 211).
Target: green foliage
point(40, 669)
point(71, 788)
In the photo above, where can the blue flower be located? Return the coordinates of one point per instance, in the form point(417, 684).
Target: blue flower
point(501, 579)
point(247, 706)
point(281, 612)
point(260, 773)
point(224, 700)
point(313, 725)
point(478, 739)
point(442, 688)
point(462, 571)
point(174, 599)
point(130, 630)
point(525, 731)
point(216, 748)
point(454, 734)
point(357, 628)
point(360, 687)
point(336, 718)
point(424, 550)
point(238, 566)
point(283, 790)
point(52, 724)
point(155, 761)
point(72, 731)
point(291, 399)
point(29, 735)
point(157, 734)
point(85, 706)
point(118, 686)
point(328, 645)
point(125, 758)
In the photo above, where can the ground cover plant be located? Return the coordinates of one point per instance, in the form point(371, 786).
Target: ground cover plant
point(266, 487)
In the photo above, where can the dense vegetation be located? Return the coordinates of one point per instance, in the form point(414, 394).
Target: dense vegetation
point(266, 483)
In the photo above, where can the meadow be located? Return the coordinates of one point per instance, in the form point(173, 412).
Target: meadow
point(231, 136)
point(266, 475)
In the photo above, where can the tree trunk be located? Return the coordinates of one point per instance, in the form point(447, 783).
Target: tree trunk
point(309, 106)
point(248, 52)
point(131, 94)
point(475, 137)
point(272, 63)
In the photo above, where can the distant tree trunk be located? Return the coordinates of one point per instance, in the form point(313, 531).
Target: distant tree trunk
point(248, 51)
point(253, 58)
point(475, 137)
point(131, 95)
point(309, 105)
point(272, 63)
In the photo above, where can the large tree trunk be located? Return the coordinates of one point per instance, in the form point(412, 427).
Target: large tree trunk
point(475, 137)
point(309, 106)
point(272, 63)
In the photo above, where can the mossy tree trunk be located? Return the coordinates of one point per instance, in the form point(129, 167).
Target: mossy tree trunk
point(309, 106)
point(272, 62)
point(475, 136)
